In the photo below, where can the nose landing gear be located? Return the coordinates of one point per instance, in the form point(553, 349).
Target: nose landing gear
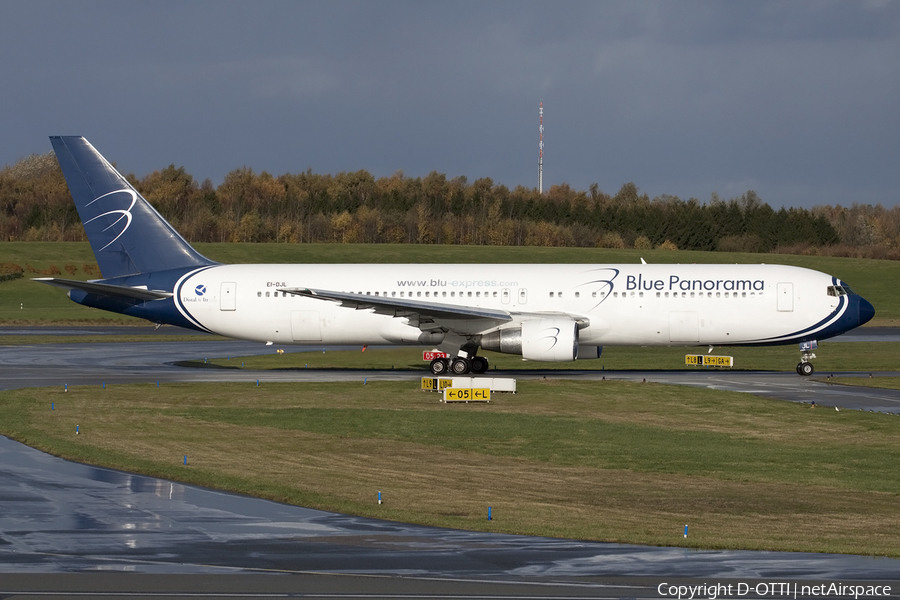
point(805, 368)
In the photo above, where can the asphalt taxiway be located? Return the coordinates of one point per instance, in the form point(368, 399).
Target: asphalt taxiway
point(151, 361)
point(61, 517)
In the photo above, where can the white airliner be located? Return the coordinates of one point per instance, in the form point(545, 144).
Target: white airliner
point(552, 313)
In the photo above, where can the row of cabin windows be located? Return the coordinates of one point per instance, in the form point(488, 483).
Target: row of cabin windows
point(419, 294)
point(404, 294)
point(559, 294)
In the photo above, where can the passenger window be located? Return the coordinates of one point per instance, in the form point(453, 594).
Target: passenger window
point(259, 294)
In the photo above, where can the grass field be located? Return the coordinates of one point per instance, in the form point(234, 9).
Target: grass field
point(23, 301)
point(609, 461)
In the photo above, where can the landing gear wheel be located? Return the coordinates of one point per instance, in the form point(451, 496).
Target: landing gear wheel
point(460, 366)
point(479, 364)
point(440, 366)
point(806, 369)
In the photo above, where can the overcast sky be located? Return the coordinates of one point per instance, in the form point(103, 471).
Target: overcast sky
point(799, 101)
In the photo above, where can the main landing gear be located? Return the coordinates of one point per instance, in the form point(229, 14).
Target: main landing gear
point(805, 367)
point(459, 365)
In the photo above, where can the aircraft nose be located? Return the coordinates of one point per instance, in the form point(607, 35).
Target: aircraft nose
point(866, 311)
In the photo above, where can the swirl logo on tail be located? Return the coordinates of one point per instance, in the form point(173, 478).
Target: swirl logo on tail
point(123, 214)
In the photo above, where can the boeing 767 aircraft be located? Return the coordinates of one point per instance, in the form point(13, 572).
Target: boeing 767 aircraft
point(542, 312)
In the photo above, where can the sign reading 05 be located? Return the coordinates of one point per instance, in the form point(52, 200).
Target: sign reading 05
point(467, 395)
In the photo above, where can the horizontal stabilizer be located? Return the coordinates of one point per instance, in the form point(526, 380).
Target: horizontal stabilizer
point(105, 289)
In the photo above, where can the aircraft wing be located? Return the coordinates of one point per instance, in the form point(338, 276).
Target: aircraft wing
point(416, 310)
point(105, 289)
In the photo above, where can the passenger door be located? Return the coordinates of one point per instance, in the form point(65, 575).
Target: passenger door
point(785, 292)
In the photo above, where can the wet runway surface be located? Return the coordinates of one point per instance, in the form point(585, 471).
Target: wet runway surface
point(62, 517)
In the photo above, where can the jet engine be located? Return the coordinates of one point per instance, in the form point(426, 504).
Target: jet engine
point(548, 340)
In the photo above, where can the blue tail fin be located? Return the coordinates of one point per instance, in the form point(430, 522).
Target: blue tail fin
point(126, 233)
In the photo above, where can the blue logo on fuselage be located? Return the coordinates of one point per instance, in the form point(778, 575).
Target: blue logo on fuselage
point(200, 290)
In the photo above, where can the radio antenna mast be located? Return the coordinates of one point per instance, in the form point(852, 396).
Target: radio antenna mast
point(541, 152)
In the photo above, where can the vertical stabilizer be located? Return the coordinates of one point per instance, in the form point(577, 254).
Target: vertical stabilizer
point(126, 233)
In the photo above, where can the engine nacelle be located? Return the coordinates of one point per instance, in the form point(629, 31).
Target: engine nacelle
point(548, 340)
point(551, 340)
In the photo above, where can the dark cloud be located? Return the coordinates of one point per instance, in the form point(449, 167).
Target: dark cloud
point(797, 100)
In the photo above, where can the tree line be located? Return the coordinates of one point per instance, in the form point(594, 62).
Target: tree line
point(355, 207)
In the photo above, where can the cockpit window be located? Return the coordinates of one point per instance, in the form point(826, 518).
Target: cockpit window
point(839, 290)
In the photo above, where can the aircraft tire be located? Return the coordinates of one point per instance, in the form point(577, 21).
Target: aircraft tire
point(460, 366)
point(440, 366)
point(806, 369)
point(479, 364)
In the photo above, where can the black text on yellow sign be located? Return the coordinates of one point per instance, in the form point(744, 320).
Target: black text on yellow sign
point(436, 384)
point(701, 360)
point(467, 395)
